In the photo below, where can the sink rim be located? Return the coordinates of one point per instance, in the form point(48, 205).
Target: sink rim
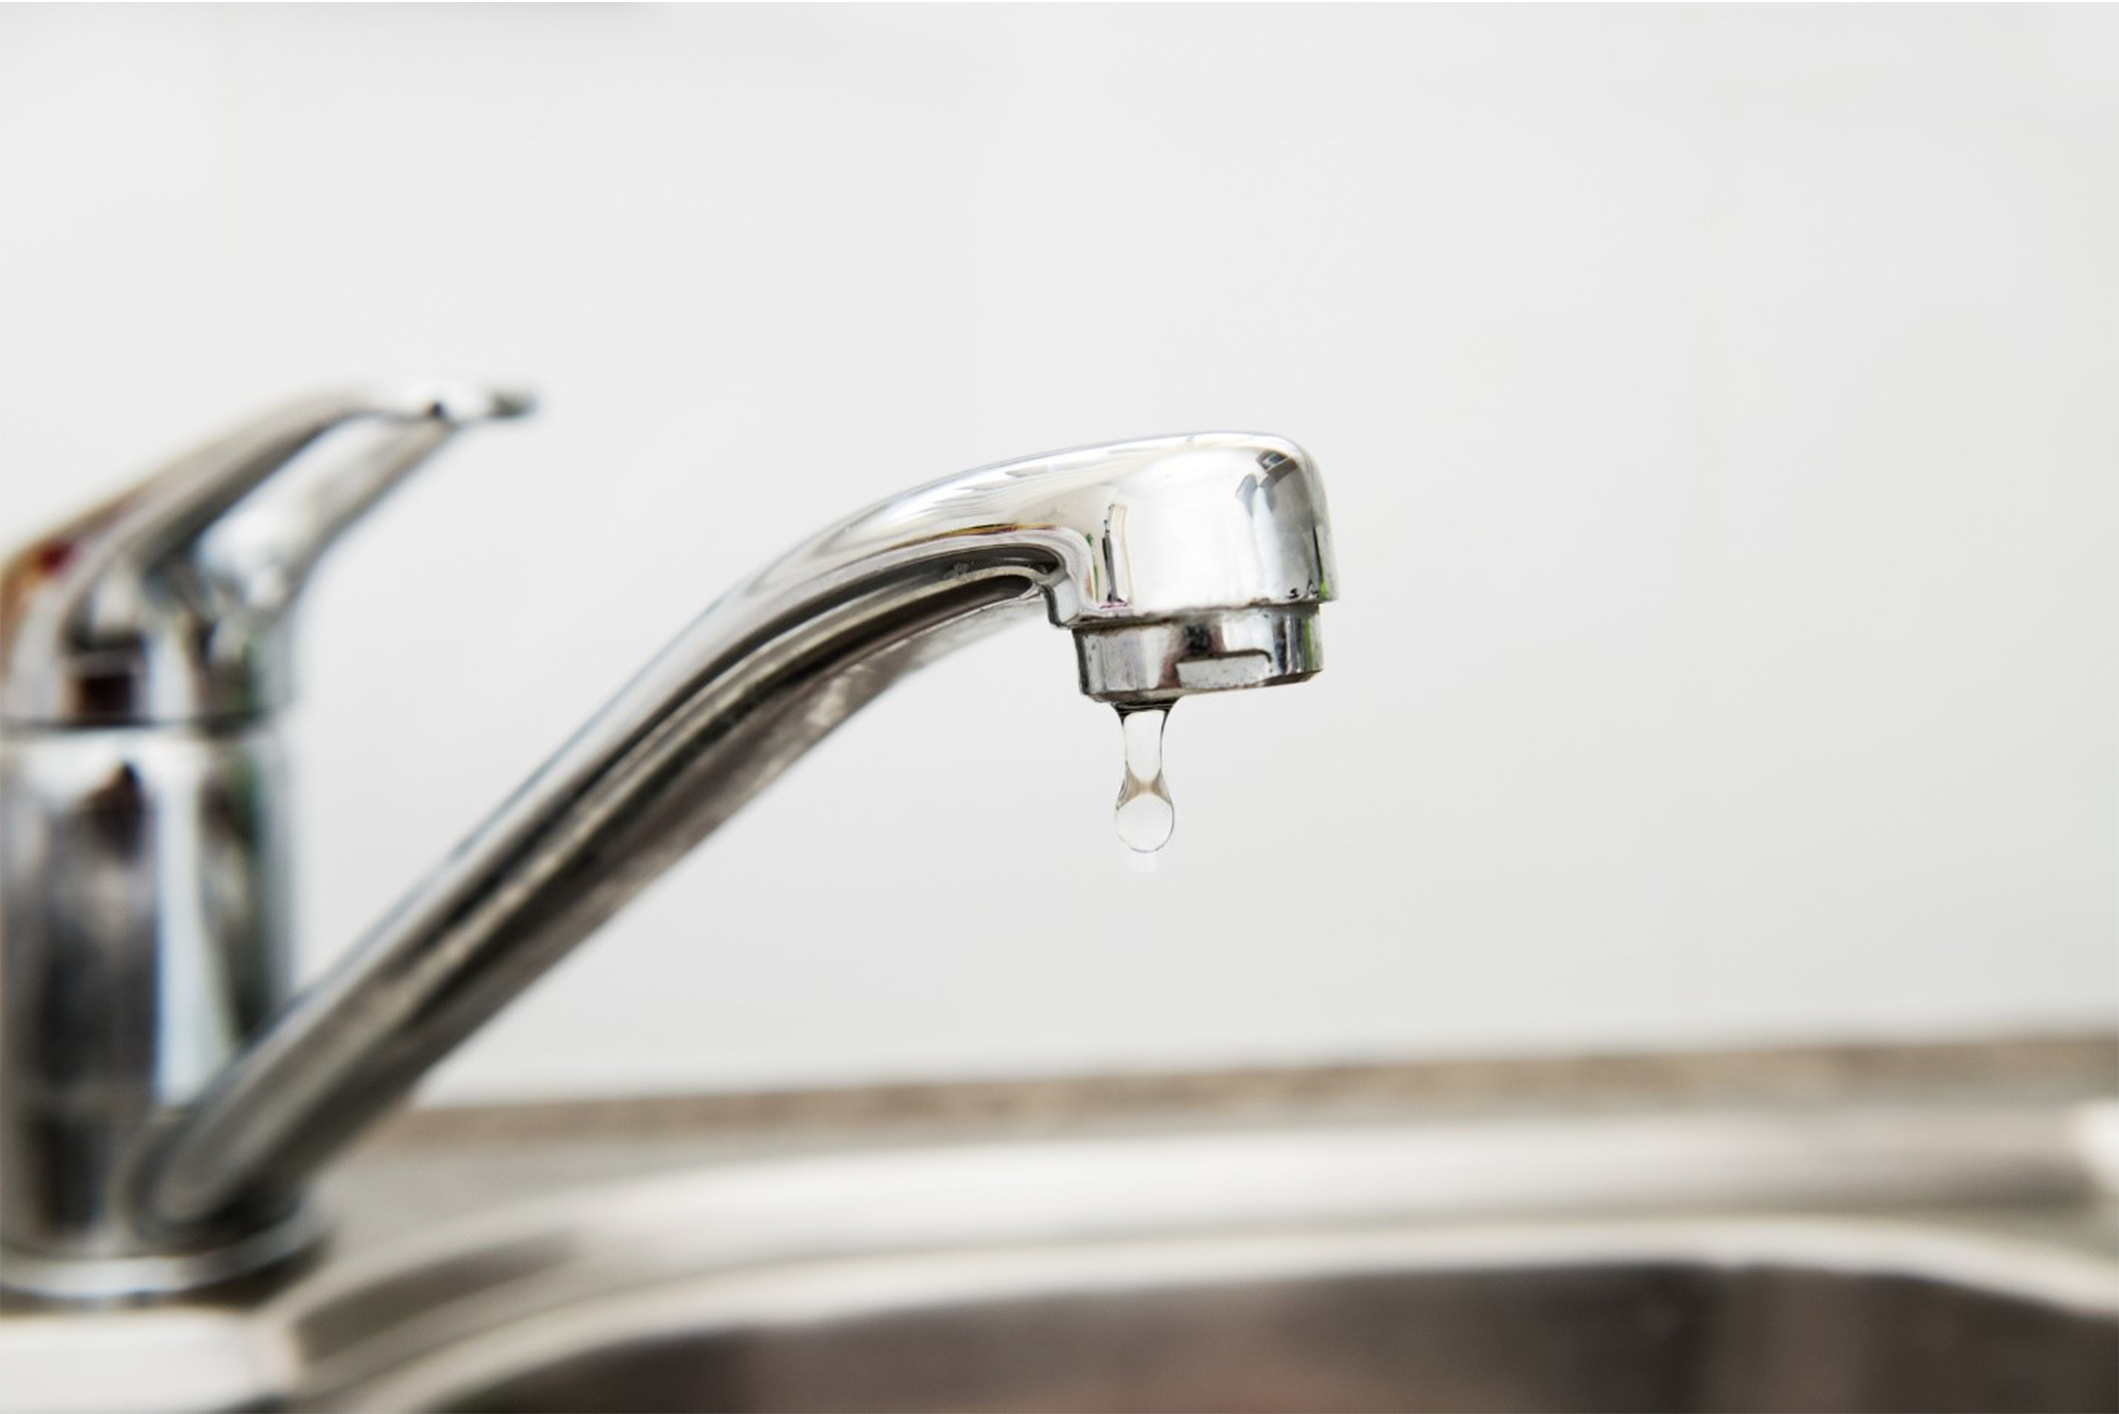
point(1702, 1187)
point(824, 1288)
point(1748, 1184)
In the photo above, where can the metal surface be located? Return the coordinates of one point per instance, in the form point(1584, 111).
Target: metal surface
point(1182, 564)
point(169, 603)
point(143, 853)
point(1859, 1258)
point(1732, 1316)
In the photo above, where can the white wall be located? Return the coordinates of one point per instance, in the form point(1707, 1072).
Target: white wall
point(1717, 405)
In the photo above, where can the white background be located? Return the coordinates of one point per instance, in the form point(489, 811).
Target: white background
point(1720, 409)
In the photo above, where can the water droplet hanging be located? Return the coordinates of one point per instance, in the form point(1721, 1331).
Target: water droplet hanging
point(1146, 815)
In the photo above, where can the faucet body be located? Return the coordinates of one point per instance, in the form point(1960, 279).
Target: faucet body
point(143, 935)
point(144, 919)
point(1180, 564)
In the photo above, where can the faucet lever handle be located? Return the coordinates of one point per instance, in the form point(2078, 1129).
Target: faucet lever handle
point(159, 605)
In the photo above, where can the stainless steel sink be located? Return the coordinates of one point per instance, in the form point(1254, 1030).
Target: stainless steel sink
point(1719, 1318)
point(1827, 1257)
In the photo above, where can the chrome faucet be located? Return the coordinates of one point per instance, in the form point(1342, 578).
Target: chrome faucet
point(164, 1097)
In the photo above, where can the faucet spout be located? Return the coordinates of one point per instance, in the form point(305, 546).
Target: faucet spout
point(1181, 565)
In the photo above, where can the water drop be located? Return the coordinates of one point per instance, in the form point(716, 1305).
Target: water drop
point(1146, 815)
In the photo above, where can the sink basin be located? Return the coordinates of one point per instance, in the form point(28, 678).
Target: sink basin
point(1826, 1258)
point(1743, 1320)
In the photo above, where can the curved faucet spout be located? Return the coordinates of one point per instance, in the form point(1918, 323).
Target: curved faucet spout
point(1181, 564)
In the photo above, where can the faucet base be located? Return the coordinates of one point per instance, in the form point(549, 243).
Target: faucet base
point(75, 1280)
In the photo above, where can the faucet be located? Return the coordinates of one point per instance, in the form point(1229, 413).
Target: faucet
point(164, 1094)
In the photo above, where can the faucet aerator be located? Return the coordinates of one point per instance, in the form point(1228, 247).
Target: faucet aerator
point(1146, 662)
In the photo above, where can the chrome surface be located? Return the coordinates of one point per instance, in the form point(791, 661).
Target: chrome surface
point(169, 602)
point(1182, 564)
point(143, 869)
point(1864, 1257)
